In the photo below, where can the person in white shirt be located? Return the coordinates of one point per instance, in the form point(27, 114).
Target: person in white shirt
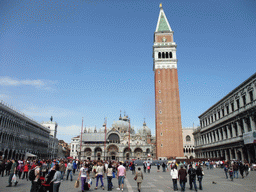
point(174, 174)
point(100, 175)
point(84, 173)
point(70, 170)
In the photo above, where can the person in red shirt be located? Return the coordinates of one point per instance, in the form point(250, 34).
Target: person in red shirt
point(25, 171)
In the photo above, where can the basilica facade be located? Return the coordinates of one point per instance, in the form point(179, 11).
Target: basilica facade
point(119, 142)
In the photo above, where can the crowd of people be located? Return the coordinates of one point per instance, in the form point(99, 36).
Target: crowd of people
point(47, 175)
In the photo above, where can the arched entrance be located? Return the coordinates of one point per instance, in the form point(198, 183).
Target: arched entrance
point(88, 153)
point(112, 151)
point(97, 153)
point(138, 153)
point(127, 154)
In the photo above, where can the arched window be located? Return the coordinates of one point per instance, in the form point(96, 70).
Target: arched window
point(170, 54)
point(167, 55)
point(187, 150)
point(159, 55)
point(163, 55)
point(188, 138)
point(184, 150)
point(114, 138)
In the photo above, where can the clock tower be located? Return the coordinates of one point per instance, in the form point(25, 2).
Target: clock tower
point(169, 141)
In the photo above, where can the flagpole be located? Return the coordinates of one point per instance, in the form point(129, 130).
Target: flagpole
point(129, 132)
point(81, 138)
point(105, 138)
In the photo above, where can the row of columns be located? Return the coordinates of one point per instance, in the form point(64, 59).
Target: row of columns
point(241, 153)
point(235, 129)
point(227, 109)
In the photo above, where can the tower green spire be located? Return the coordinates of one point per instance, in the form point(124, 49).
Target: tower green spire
point(162, 24)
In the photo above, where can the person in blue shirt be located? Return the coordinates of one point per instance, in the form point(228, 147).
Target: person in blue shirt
point(74, 167)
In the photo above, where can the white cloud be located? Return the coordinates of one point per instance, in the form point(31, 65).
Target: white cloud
point(8, 81)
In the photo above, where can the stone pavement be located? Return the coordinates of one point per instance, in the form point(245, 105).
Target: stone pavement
point(154, 182)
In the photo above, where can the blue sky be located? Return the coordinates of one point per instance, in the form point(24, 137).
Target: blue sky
point(73, 59)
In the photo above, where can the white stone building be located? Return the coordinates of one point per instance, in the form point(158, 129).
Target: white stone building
point(227, 129)
point(120, 145)
point(188, 142)
point(20, 135)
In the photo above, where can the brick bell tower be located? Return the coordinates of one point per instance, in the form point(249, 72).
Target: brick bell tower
point(169, 141)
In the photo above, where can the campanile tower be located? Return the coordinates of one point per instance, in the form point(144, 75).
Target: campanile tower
point(169, 141)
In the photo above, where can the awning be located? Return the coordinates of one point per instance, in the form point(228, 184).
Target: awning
point(29, 155)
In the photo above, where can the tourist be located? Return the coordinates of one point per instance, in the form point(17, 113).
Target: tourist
point(8, 167)
point(2, 166)
point(12, 172)
point(148, 166)
point(62, 169)
point(164, 166)
point(70, 170)
point(192, 177)
point(109, 176)
point(25, 171)
point(241, 169)
point(145, 167)
point(74, 167)
point(36, 183)
point(44, 168)
point(100, 175)
point(235, 169)
point(133, 168)
point(226, 171)
point(182, 175)
point(246, 168)
point(139, 178)
point(84, 173)
point(121, 174)
point(174, 174)
point(56, 179)
point(158, 166)
point(199, 173)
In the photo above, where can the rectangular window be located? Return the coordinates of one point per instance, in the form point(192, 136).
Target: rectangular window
point(238, 103)
point(227, 108)
point(215, 116)
point(219, 115)
point(232, 107)
point(212, 118)
point(251, 96)
point(244, 100)
point(223, 113)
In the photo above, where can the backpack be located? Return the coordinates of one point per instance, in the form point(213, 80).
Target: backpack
point(193, 172)
point(31, 175)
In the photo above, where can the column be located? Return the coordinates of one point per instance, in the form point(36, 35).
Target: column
point(212, 134)
point(216, 135)
point(226, 154)
point(239, 130)
point(242, 154)
point(230, 154)
point(235, 152)
point(252, 120)
point(209, 136)
point(224, 134)
point(219, 130)
point(249, 155)
point(233, 130)
point(245, 125)
point(228, 131)
point(218, 154)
